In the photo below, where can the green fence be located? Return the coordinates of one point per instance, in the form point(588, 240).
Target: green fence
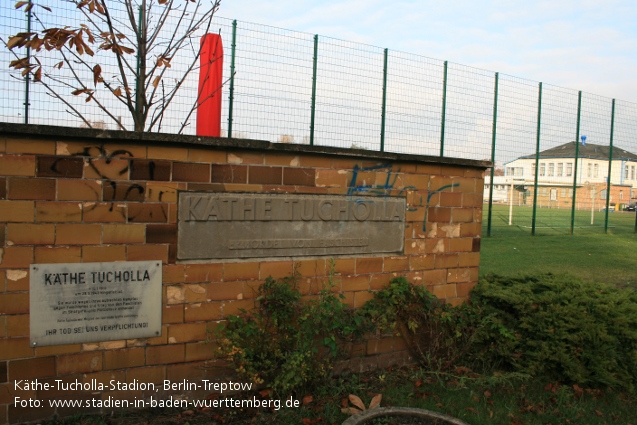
point(294, 87)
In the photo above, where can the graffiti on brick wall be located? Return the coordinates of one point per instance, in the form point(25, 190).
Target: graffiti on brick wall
point(389, 183)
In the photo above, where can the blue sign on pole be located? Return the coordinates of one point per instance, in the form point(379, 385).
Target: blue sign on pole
point(583, 140)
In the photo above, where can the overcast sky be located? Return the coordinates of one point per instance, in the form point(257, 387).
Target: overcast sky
point(588, 45)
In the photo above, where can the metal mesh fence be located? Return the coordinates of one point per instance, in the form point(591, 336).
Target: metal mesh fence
point(294, 87)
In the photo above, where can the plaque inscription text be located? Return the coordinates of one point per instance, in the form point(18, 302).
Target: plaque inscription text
point(222, 225)
point(90, 302)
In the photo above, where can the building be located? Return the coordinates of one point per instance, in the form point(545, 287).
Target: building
point(555, 178)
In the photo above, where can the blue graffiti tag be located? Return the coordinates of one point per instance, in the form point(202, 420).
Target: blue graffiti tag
point(431, 194)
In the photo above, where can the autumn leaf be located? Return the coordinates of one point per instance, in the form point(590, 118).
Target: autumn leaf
point(97, 71)
point(487, 393)
point(307, 400)
point(598, 413)
point(156, 81)
point(79, 92)
point(375, 401)
point(351, 411)
point(38, 75)
point(356, 401)
point(117, 92)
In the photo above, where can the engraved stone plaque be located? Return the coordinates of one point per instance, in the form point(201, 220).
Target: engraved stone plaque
point(249, 225)
point(90, 302)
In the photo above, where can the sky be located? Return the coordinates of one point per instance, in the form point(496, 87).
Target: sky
point(588, 45)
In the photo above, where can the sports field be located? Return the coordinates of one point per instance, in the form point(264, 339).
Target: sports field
point(550, 221)
point(589, 253)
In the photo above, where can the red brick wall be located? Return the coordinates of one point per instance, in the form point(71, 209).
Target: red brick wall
point(76, 199)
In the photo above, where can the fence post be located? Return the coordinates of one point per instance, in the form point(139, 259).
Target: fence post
point(579, 115)
point(493, 138)
point(610, 164)
point(314, 68)
point(231, 96)
point(537, 157)
point(384, 107)
point(28, 75)
point(444, 111)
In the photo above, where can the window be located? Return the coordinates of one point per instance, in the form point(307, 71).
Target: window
point(542, 169)
point(632, 172)
point(533, 169)
point(544, 191)
point(589, 170)
point(621, 195)
point(551, 169)
point(596, 170)
point(553, 194)
point(626, 172)
point(563, 193)
point(569, 169)
point(509, 171)
point(570, 193)
point(560, 169)
point(602, 194)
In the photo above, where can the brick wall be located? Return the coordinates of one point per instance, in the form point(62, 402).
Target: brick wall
point(69, 195)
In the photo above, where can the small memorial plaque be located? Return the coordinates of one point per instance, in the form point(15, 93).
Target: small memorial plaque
point(90, 302)
point(248, 225)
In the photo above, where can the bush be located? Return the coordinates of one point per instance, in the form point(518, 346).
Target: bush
point(284, 343)
point(559, 326)
point(437, 334)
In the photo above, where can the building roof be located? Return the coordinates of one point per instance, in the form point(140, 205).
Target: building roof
point(567, 150)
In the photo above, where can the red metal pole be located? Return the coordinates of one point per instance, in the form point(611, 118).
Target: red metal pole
point(210, 81)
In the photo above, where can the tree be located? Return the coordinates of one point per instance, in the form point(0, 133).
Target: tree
point(121, 50)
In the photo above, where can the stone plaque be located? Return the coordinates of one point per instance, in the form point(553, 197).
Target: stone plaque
point(90, 302)
point(248, 225)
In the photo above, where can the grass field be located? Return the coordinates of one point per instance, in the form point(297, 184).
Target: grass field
point(589, 253)
point(551, 221)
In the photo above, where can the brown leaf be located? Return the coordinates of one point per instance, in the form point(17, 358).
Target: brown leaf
point(17, 40)
point(117, 92)
point(344, 402)
point(375, 401)
point(97, 71)
point(19, 4)
point(578, 390)
point(308, 421)
point(598, 413)
point(79, 92)
point(471, 409)
point(490, 414)
point(351, 411)
point(265, 393)
point(307, 400)
point(487, 393)
point(356, 401)
point(38, 75)
point(418, 383)
point(187, 413)
point(156, 81)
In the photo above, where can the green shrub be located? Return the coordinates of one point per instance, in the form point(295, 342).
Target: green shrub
point(437, 334)
point(558, 326)
point(286, 344)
